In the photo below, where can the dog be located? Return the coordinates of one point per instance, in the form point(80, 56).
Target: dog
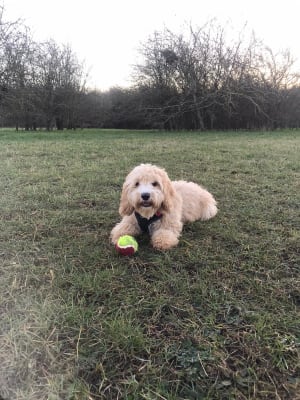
point(151, 202)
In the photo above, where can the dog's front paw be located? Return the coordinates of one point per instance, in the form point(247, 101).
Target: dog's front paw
point(164, 239)
point(128, 226)
point(115, 235)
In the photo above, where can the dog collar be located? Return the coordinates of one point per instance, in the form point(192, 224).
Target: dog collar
point(145, 223)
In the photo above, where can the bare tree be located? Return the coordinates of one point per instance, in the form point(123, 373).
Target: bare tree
point(40, 83)
point(60, 84)
point(204, 80)
point(15, 51)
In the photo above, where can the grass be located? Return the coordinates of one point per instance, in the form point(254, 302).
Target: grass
point(215, 318)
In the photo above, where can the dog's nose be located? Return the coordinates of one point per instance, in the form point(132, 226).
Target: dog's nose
point(145, 196)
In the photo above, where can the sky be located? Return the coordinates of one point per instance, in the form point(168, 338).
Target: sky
point(106, 34)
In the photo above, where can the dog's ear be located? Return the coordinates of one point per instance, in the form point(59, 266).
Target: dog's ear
point(125, 207)
point(169, 193)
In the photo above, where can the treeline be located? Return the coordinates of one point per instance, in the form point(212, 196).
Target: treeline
point(198, 80)
point(41, 84)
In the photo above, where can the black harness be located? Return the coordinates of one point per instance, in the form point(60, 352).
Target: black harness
point(145, 223)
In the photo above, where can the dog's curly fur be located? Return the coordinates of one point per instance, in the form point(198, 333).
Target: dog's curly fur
point(148, 190)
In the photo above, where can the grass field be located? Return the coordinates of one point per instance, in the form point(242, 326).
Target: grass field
point(215, 318)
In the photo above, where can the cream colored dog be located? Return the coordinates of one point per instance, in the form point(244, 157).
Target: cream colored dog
point(151, 203)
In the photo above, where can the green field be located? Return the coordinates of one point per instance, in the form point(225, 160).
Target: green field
point(215, 318)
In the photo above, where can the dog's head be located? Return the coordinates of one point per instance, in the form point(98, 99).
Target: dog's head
point(147, 189)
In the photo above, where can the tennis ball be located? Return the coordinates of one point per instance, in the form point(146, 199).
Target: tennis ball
point(126, 245)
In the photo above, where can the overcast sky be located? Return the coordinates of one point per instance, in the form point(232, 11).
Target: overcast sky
point(106, 33)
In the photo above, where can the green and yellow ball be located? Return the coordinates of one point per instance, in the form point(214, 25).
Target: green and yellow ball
point(127, 245)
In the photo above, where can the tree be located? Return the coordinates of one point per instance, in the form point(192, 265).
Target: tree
point(204, 80)
point(15, 70)
point(40, 83)
point(60, 85)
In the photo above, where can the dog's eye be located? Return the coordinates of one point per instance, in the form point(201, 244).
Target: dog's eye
point(137, 184)
point(155, 184)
